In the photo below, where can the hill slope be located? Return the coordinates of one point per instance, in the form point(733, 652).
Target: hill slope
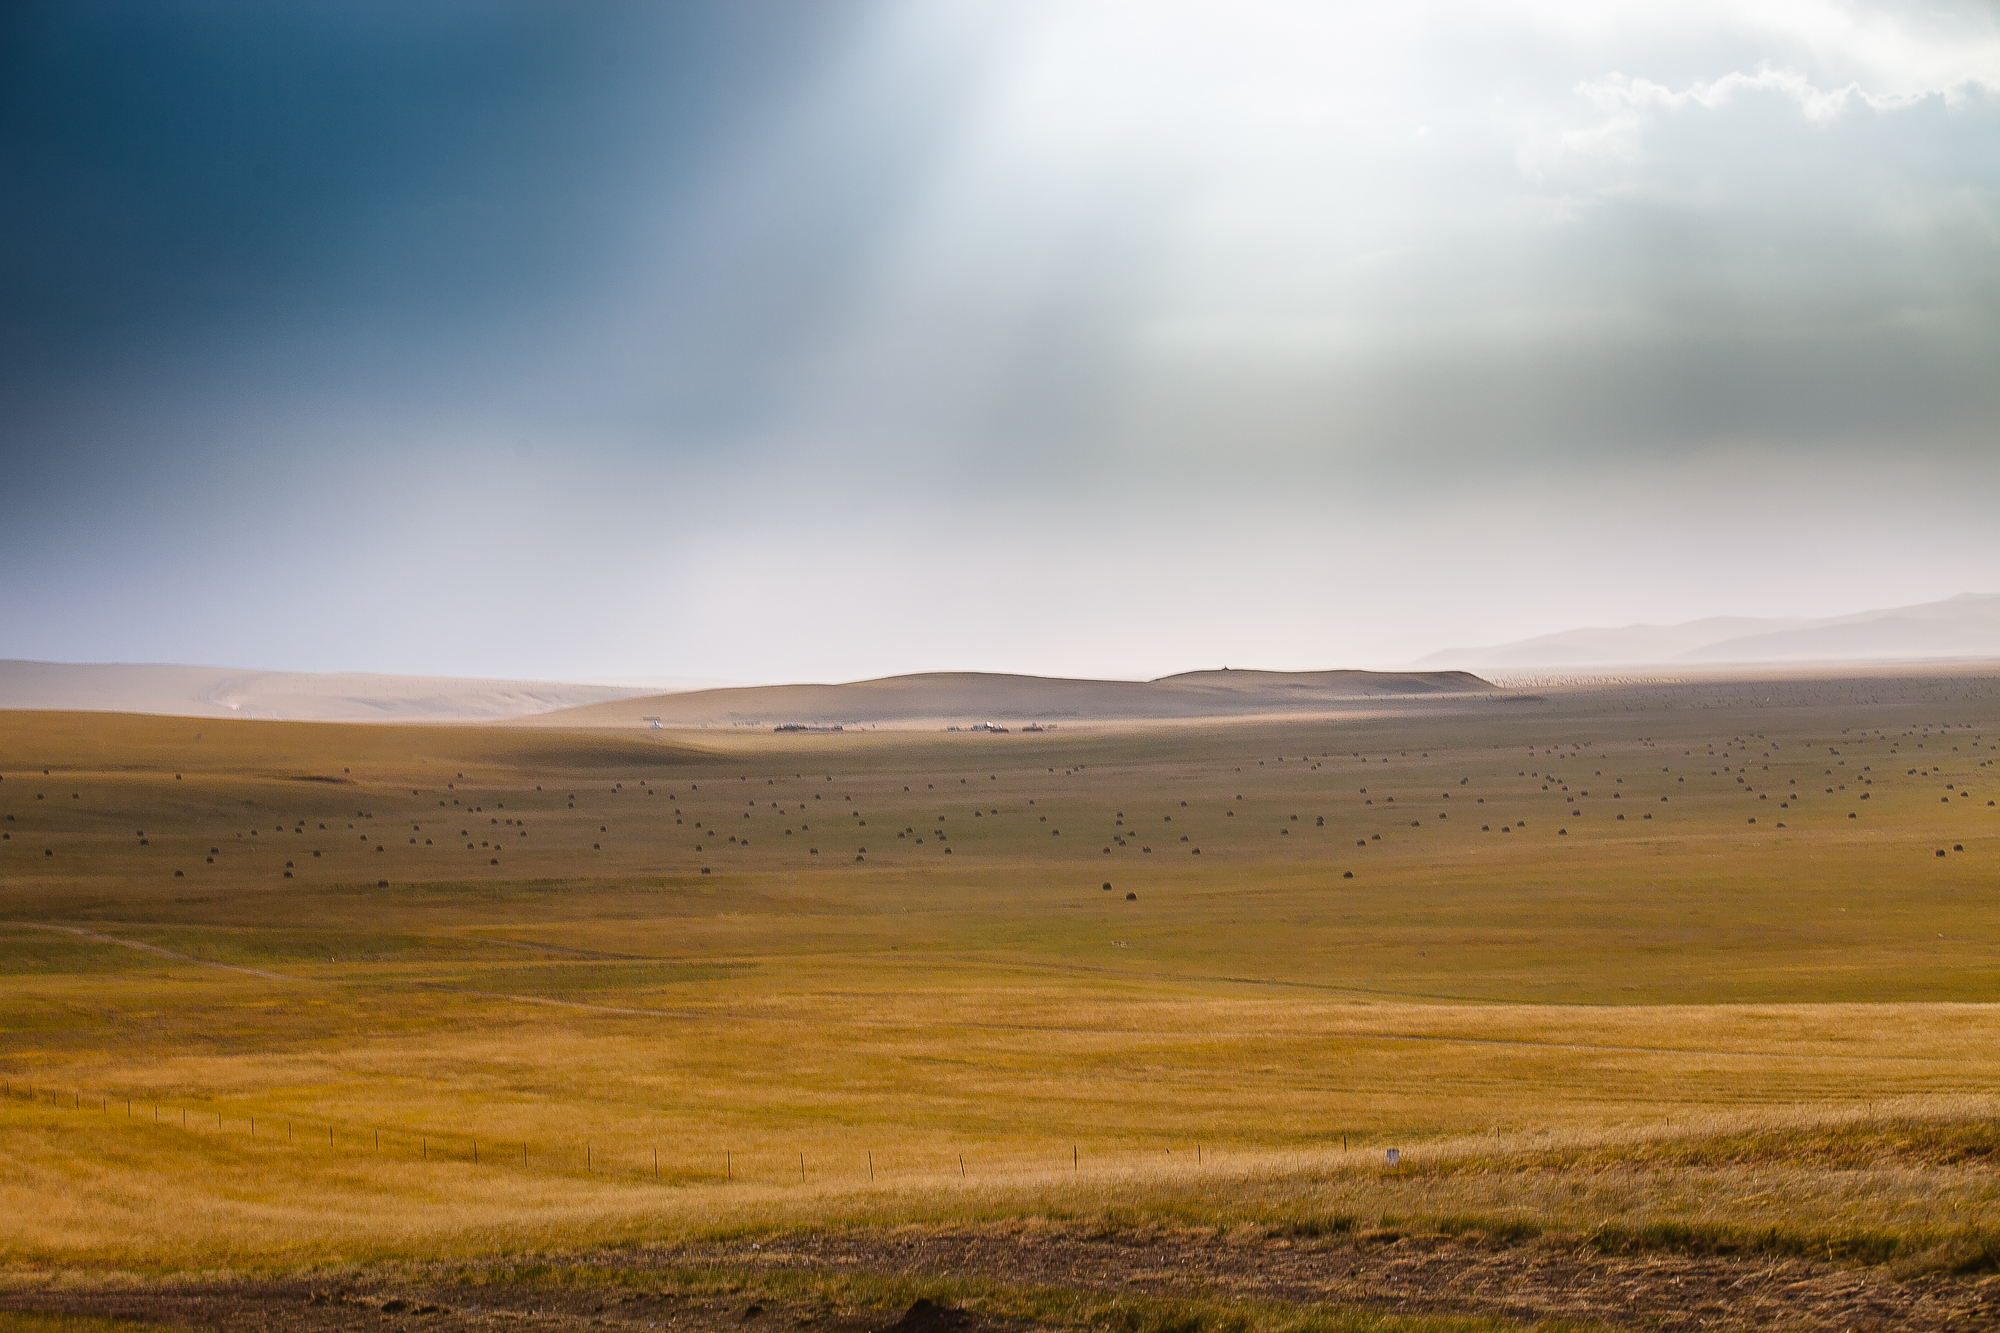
point(1964, 626)
point(198, 691)
point(972, 697)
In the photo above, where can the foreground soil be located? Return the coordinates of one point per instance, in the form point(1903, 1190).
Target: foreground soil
point(1530, 1283)
point(438, 1306)
point(1418, 1274)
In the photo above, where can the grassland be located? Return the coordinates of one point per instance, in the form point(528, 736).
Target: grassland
point(1713, 990)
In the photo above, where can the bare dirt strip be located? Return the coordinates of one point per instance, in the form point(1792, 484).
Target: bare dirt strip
point(1531, 1282)
point(1411, 1274)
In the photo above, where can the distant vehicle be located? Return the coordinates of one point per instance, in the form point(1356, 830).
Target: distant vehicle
point(993, 727)
point(654, 720)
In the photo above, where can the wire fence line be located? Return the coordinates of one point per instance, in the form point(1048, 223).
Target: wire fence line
point(585, 1157)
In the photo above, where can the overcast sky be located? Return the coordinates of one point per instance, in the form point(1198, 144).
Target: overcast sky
point(776, 341)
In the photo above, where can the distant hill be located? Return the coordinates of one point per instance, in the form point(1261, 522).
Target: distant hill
point(1967, 626)
point(194, 691)
point(971, 697)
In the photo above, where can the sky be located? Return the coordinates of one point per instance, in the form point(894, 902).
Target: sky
point(768, 341)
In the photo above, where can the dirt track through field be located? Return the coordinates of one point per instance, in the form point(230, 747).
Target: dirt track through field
point(1530, 1283)
point(1412, 1274)
point(97, 938)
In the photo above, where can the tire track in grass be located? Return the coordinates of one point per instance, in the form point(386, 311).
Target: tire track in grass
point(155, 950)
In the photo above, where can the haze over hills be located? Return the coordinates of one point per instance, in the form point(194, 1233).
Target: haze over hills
point(969, 697)
point(197, 691)
point(1966, 626)
point(973, 697)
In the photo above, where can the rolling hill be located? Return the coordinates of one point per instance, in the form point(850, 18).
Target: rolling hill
point(198, 691)
point(971, 697)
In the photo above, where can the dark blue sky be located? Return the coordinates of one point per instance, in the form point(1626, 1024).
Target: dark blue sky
point(771, 340)
point(188, 176)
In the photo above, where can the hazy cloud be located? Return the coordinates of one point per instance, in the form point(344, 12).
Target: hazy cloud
point(719, 340)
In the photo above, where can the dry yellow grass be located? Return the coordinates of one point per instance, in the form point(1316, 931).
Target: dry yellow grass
point(1536, 1019)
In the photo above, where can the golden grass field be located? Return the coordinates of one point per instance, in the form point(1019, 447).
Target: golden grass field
point(535, 990)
